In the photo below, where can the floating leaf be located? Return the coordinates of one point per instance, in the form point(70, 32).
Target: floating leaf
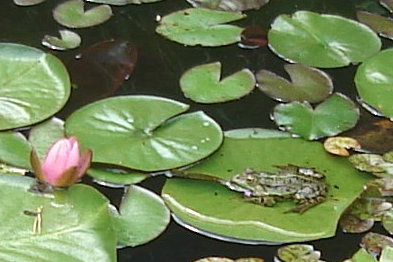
point(380, 24)
point(14, 149)
point(141, 132)
point(308, 84)
point(374, 81)
point(335, 115)
point(229, 216)
point(374, 243)
point(28, 2)
point(203, 84)
point(298, 252)
point(229, 5)
point(72, 14)
point(35, 85)
point(67, 40)
point(142, 217)
point(43, 135)
point(116, 176)
point(313, 39)
point(198, 26)
point(387, 255)
point(353, 224)
point(72, 222)
point(99, 71)
point(373, 163)
point(252, 37)
point(387, 222)
point(339, 145)
point(122, 2)
point(362, 256)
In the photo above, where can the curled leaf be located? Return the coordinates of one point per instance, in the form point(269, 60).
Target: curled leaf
point(374, 243)
point(340, 145)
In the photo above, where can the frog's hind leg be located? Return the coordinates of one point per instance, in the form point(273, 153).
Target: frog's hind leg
point(303, 205)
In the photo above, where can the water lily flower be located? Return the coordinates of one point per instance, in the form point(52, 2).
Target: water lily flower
point(63, 164)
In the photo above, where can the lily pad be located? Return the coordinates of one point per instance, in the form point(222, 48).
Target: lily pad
point(116, 177)
point(362, 256)
point(142, 132)
point(72, 14)
point(84, 230)
point(199, 26)
point(335, 115)
point(67, 40)
point(313, 39)
point(28, 2)
point(43, 135)
point(229, 216)
point(387, 255)
point(14, 149)
point(202, 84)
point(308, 84)
point(380, 24)
point(122, 2)
point(229, 5)
point(374, 82)
point(142, 217)
point(35, 85)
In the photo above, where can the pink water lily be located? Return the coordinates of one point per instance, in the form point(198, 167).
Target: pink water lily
point(63, 164)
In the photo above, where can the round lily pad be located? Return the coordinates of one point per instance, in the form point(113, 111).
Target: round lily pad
point(142, 132)
point(203, 84)
point(314, 39)
point(229, 215)
point(199, 26)
point(374, 82)
point(65, 226)
point(34, 86)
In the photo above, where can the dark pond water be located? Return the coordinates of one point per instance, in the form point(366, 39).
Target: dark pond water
point(160, 64)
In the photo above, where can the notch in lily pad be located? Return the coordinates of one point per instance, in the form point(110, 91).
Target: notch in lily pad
point(199, 26)
point(68, 40)
point(72, 14)
point(202, 84)
point(333, 116)
point(308, 84)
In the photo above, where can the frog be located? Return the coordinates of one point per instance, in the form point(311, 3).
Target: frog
point(303, 185)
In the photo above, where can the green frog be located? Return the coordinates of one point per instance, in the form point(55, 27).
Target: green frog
point(305, 186)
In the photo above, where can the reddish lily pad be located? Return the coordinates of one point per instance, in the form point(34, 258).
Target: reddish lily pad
point(252, 37)
point(380, 24)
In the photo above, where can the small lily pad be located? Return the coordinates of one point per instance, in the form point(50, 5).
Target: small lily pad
point(67, 40)
point(374, 243)
point(28, 2)
point(378, 165)
point(14, 149)
point(202, 84)
point(142, 132)
point(361, 256)
point(229, 5)
point(122, 2)
point(380, 24)
point(386, 255)
point(298, 252)
point(199, 26)
point(308, 84)
point(339, 145)
point(374, 82)
point(116, 177)
point(72, 14)
point(34, 87)
point(313, 39)
point(142, 217)
point(333, 116)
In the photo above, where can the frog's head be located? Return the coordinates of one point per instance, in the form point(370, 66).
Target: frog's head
point(243, 182)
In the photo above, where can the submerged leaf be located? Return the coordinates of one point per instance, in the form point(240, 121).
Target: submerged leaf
point(333, 116)
point(67, 40)
point(198, 26)
point(252, 37)
point(308, 84)
point(72, 14)
point(229, 5)
point(203, 84)
point(313, 39)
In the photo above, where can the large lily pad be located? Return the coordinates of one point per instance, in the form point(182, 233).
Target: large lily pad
point(33, 85)
point(142, 217)
point(313, 39)
point(14, 149)
point(75, 224)
point(228, 214)
point(141, 132)
point(203, 84)
point(374, 82)
point(199, 26)
point(335, 115)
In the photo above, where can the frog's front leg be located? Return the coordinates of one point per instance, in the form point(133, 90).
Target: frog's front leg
point(304, 205)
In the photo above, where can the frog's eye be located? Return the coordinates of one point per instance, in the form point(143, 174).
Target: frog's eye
point(250, 178)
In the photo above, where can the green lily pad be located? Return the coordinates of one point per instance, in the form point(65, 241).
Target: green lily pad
point(28, 2)
point(335, 115)
point(122, 2)
point(387, 254)
point(202, 84)
point(374, 82)
point(43, 135)
point(14, 149)
point(298, 252)
point(116, 177)
point(142, 132)
point(229, 215)
point(72, 14)
point(229, 5)
point(35, 85)
point(362, 256)
point(142, 217)
point(387, 222)
point(313, 39)
point(84, 230)
point(308, 84)
point(380, 24)
point(199, 26)
point(67, 40)
point(373, 163)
